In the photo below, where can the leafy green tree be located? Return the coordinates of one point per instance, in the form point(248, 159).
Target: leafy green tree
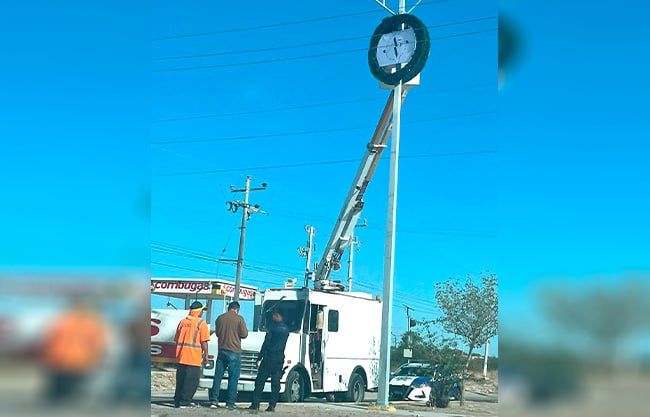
point(469, 312)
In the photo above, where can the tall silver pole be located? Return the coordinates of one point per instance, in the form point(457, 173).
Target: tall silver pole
point(389, 253)
point(310, 245)
point(242, 237)
point(350, 260)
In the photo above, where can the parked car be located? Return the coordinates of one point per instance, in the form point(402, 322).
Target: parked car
point(411, 381)
point(421, 381)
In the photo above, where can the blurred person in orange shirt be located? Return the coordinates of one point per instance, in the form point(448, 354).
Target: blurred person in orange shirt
point(192, 336)
point(72, 350)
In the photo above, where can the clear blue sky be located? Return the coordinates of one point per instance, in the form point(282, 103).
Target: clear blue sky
point(446, 218)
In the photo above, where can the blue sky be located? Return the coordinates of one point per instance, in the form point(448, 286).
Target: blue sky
point(446, 216)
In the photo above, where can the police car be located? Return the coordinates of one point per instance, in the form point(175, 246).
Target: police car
point(413, 381)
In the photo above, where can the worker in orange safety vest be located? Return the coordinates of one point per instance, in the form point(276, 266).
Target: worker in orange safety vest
point(192, 336)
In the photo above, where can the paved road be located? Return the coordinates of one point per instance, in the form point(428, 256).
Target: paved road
point(318, 407)
point(370, 397)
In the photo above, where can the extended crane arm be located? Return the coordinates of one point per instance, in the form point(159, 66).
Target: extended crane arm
point(351, 210)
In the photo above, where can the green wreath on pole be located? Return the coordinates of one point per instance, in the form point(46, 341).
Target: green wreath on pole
point(420, 55)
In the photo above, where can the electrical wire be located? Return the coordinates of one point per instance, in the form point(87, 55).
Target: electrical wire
point(308, 44)
point(296, 58)
point(282, 24)
point(320, 163)
point(422, 305)
point(299, 107)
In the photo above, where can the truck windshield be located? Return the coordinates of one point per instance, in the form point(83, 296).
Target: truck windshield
point(292, 313)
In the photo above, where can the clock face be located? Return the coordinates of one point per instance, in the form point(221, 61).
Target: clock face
point(396, 47)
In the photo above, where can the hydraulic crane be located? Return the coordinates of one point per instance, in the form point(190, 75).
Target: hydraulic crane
point(341, 234)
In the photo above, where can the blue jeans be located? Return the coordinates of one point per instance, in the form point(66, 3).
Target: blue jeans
point(230, 361)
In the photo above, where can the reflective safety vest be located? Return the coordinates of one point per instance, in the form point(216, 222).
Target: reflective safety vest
point(191, 331)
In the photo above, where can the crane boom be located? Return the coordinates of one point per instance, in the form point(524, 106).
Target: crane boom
point(339, 239)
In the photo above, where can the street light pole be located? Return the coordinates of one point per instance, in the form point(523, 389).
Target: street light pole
point(389, 253)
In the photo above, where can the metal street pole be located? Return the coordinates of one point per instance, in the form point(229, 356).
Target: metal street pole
point(242, 237)
point(389, 252)
point(350, 260)
point(310, 244)
point(354, 242)
point(408, 325)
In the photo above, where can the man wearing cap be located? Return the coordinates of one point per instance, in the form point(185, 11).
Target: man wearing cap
point(270, 360)
point(229, 328)
point(192, 336)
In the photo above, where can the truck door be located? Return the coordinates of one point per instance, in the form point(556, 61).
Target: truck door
point(316, 344)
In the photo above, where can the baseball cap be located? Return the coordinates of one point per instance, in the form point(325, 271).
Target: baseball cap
point(197, 306)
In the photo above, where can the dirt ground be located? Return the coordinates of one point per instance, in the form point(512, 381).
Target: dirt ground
point(162, 385)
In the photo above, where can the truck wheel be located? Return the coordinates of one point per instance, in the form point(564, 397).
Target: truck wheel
point(356, 389)
point(294, 388)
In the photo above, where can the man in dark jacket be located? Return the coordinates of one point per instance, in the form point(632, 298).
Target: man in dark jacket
point(270, 361)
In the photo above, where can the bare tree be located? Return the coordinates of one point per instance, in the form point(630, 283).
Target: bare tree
point(469, 312)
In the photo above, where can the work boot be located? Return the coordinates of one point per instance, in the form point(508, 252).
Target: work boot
point(270, 408)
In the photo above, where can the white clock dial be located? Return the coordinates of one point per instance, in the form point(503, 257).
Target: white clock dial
point(396, 47)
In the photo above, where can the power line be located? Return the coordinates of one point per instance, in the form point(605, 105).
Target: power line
point(307, 44)
point(295, 58)
point(182, 267)
point(305, 164)
point(300, 107)
point(264, 61)
point(170, 249)
point(423, 305)
point(312, 132)
point(243, 113)
point(252, 51)
point(254, 280)
point(282, 24)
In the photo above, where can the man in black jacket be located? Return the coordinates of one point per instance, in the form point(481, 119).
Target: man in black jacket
point(270, 361)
